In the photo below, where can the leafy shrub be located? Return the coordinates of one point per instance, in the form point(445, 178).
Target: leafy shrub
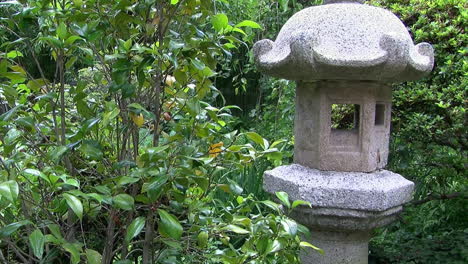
point(113, 150)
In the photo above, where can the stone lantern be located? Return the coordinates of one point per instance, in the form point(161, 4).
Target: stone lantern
point(343, 54)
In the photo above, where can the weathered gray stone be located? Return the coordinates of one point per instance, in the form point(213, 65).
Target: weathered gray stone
point(339, 248)
point(346, 206)
point(342, 52)
point(319, 146)
point(378, 191)
point(340, 41)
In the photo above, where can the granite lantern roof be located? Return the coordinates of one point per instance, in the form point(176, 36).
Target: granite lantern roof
point(344, 40)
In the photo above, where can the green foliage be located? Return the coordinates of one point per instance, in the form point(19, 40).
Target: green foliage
point(115, 149)
point(429, 143)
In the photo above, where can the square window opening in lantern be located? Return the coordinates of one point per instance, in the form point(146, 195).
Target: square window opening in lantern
point(345, 116)
point(345, 123)
point(379, 114)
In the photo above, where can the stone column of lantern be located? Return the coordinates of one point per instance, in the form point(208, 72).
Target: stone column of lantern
point(342, 52)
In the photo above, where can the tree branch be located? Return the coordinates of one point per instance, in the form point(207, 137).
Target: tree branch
point(434, 197)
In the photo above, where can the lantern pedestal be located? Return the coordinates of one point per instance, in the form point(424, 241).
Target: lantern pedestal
point(339, 247)
point(346, 207)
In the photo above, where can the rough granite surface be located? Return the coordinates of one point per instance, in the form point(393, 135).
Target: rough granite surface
point(344, 40)
point(318, 146)
point(378, 191)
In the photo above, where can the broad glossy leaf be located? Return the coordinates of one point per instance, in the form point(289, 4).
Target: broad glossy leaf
point(14, 53)
point(124, 180)
point(135, 228)
point(257, 139)
point(37, 173)
point(62, 30)
point(248, 23)
point(123, 201)
point(290, 226)
point(74, 250)
point(70, 40)
point(8, 230)
point(75, 204)
point(273, 246)
point(272, 205)
point(93, 257)
point(202, 239)
point(219, 22)
point(169, 226)
point(56, 153)
point(37, 240)
point(235, 188)
point(284, 198)
point(9, 190)
point(11, 136)
point(236, 229)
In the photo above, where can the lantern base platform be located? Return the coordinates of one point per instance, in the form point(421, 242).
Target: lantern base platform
point(375, 192)
point(346, 207)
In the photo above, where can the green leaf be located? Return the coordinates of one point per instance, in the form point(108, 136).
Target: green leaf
point(35, 85)
point(37, 173)
point(56, 153)
point(74, 250)
point(235, 188)
point(154, 187)
point(124, 180)
point(307, 244)
point(62, 30)
point(9, 190)
point(284, 4)
point(91, 150)
point(123, 201)
point(70, 40)
point(70, 62)
point(93, 256)
point(198, 64)
point(11, 136)
point(284, 198)
point(219, 22)
point(248, 23)
point(236, 229)
point(257, 139)
point(273, 246)
point(289, 226)
point(8, 230)
point(37, 240)
point(75, 204)
point(8, 115)
point(13, 54)
point(106, 119)
point(15, 76)
point(174, 2)
point(169, 226)
point(300, 202)
point(135, 228)
point(272, 205)
point(202, 239)
point(55, 230)
point(52, 41)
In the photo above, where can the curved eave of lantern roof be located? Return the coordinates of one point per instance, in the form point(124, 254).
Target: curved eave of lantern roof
point(344, 41)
